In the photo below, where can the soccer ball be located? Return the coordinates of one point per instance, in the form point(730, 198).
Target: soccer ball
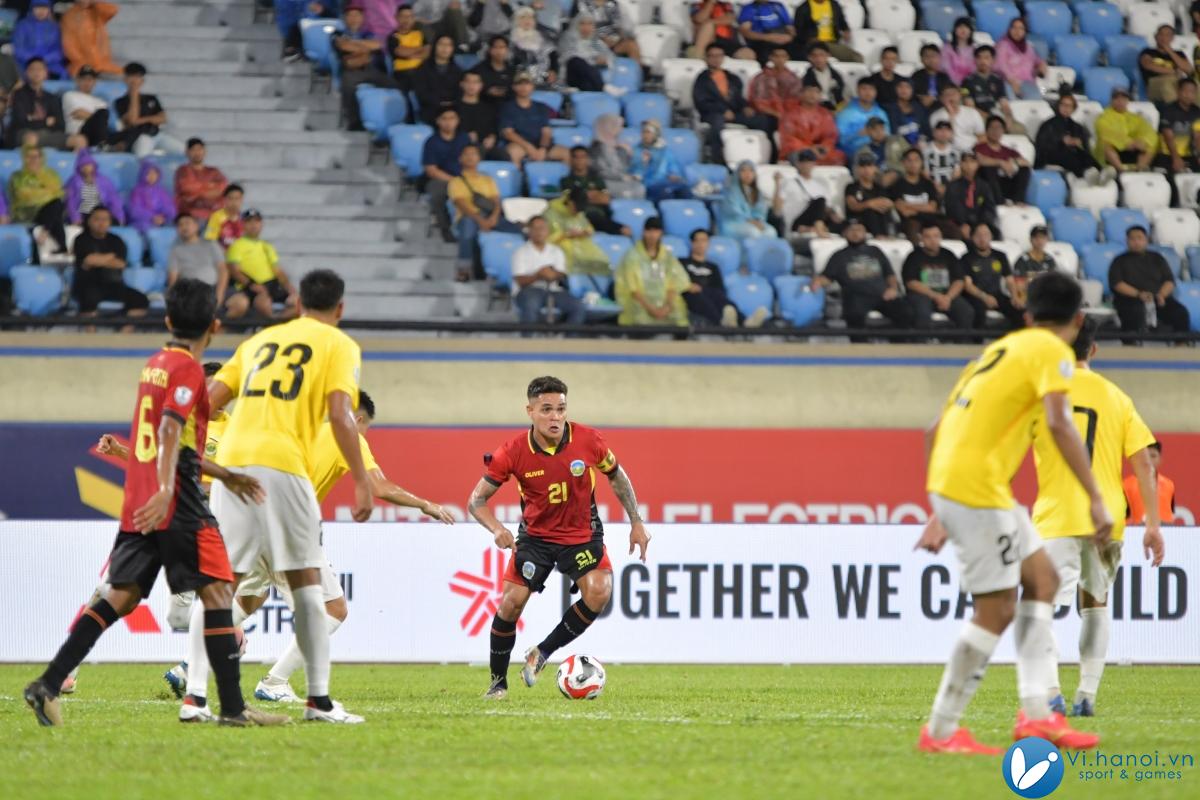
point(581, 678)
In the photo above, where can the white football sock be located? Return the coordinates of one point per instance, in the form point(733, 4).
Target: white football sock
point(292, 659)
point(197, 655)
point(312, 636)
point(964, 671)
point(1037, 657)
point(1093, 651)
point(239, 614)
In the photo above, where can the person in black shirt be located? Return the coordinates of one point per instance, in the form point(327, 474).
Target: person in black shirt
point(1032, 264)
point(440, 158)
point(496, 72)
point(984, 88)
point(867, 280)
point(437, 81)
point(582, 176)
point(1141, 280)
point(908, 118)
point(706, 299)
point(480, 120)
point(1162, 67)
point(143, 116)
point(99, 264)
point(934, 280)
point(36, 111)
point(866, 198)
point(917, 200)
point(1179, 127)
point(1063, 142)
point(986, 272)
point(886, 79)
point(969, 199)
point(929, 82)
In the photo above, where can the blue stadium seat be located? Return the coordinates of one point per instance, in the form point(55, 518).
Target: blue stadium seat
point(681, 217)
point(749, 292)
point(505, 174)
point(1122, 51)
point(552, 99)
point(632, 136)
point(1117, 221)
point(381, 109)
point(1040, 45)
point(121, 169)
point(16, 248)
point(1193, 260)
point(496, 252)
point(37, 291)
point(590, 106)
point(770, 258)
point(407, 143)
point(678, 245)
point(634, 214)
point(580, 285)
point(1099, 19)
point(161, 241)
point(1047, 190)
point(544, 177)
point(1097, 257)
point(110, 90)
point(1076, 226)
point(716, 174)
point(625, 73)
point(797, 306)
point(61, 161)
point(10, 162)
point(135, 246)
point(315, 36)
point(1080, 52)
point(993, 16)
point(1189, 295)
point(726, 253)
point(170, 163)
point(145, 279)
point(637, 107)
point(467, 61)
point(1099, 82)
point(940, 16)
point(1048, 17)
point(614, 246)
point(1172, 257)
point(570, 137)
point(60, 86)
point(683, 144)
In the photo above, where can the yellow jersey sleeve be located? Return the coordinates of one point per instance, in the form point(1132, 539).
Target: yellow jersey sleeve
point(271, 254)
point(1051, 367)
point(344, 367)
point(230, 373)
point(1138, 435)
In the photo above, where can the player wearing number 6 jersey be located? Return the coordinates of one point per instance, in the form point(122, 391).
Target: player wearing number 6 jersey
point(287, 380)
point(974, 449)
point(1112, 430)
point(555, 464)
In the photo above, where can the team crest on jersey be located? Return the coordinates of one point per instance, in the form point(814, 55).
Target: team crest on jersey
point(183, 396)
point(577, 467)
point(1067, 368)
point(528, 569)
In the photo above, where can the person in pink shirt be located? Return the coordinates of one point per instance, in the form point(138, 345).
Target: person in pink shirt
point(958, 54)
point(1018, 63)
point(379, 17)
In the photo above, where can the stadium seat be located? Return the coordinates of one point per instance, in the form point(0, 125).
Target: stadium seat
point(16, 248)
point(940, 16)
point(1144, 19)
point(1094, 198)
point(855, 14)
point(891, 17)
point(161, 240)
point(581, 285)
point(1188, 186)
point(1017, 221)
point(677, 245)
point(1051, 83)
point(1065, 256)
point(823, 249)
point(869, 42)
point(1021, 143)
point(633, 213)
point(1189, 295)
point(637, 12)
point(145, 279)
point(657, 42)
point(726, 253)
point(315, 36)
point(1116, 221)
point(570, 137)
point(135, 246)
point(1146, 110)
point(683, 144)
point(505, 174)
point(625, 73)
point(1087, 112)
point(544, 178)
point(522, 209)
point(10, 162)
point(1145, 191)
point(746, 70)
point(994, 16)
point(170, 163)
point(909, 43)
point(1097, 257)
point(769, 257)
point(1174, 260)
point(677, 14)
point(1048, 17)
point(1080, 52)
point(852, 73)
point(1122, 51)
point(715, 174)
point(743, 144)
point(407, 142)
point(121, 169)
point(1047, 190)
point(381, 109)
point(1076, 226)
point(467, 61)
point(1040, 45)
point(681, 217)
point(552, 100)
point(749, 292)
point(799, 307)
point(1192, 256)
point(679, 75)
point(614, 246)
point(896, 250)
point(632, 136)
point(766, 176)
point(1031, 114)
point(590, 106)
point(496, 252)
point(61, 161)
point(1100, 20)
point(37, 291)
point(1099, 82)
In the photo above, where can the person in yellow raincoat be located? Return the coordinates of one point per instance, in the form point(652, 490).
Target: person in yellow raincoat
point(651, 282)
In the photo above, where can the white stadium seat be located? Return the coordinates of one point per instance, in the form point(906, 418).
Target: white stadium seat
point(679, 76)
point(894, 16)
point(870, 43)
point(1020, 142)
point(910, 42)
point(1065, 257)
point(823, 249)
point(766, 176)
point(955, 246)
point(743, 144)
point(851, 73)
point(855, 14)
point(896, 251)
point(522, 209)
point(1188, 186)
point(837, 179)
point(1148, 111)
point(1017, 221)
point(1012, 250)
point(798, 68)
point(636, 12)
point(1176, 227)
point(677, 14)
point(1143, 19)
point(1094, 198)
point(1054, 78)
point(1031, 114)
point(1093, 300)
point(745, 69)
point(1146, 191)
point(657, 42)
point(1086, 113)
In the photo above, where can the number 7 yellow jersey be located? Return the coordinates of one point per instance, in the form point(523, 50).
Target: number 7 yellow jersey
point(282, 378)
point(1113, 430)
point(987, 423)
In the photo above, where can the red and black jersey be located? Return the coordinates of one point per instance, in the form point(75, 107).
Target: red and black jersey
point(172, 385)
point(557, 486)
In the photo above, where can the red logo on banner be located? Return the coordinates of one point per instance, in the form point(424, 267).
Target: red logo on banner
point(484, 589)
point(140, 620)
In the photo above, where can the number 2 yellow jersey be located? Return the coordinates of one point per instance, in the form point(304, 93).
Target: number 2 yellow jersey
point(987, 423)
point(1112, 430)
point(281, 378)
point(328, 463)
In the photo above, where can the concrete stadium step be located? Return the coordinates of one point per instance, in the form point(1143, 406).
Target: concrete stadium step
point(322, 194)
point(375, 175)
point(211, 50)
point(337, 231)
point(158, 67)
point(419, 287)
point(396, 307)
point(196, 122)
point(361, 268)
point(361, 248)
point(233, 155)
point(334, 212)
point(286, 139)
point(200, 14)
point(124, 28)
point(233, 86)
point(318, 102)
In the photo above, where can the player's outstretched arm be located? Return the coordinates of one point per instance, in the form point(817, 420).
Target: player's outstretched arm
point(477, 505)
point(1066, 437)
point(1152, 541)
point(219, 396)
point(623, 489)
point(147, 518)
point(345, 433)
point(396, 495)
point(109, 446)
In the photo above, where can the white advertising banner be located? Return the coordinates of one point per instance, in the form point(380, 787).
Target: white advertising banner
point(707, 593)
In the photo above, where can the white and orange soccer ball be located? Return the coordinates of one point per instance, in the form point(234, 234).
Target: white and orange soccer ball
point(581, 678)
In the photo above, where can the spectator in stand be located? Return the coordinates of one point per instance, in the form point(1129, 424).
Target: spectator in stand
point(1142, 284)
point(810, 127)
point(359, 53)
point(36, 35)
point(806, 208)
point(525, 126)
point(656, 166)
point(1002, 166)
point(496, 71)
point(824, 77)
point(1162, 67)
point(613, 158)
point(437, 81)
point(288, 16)
point(1018, 63)
point(823, 22)
point(476, 199)
point(490, 18)
point(706, 300)
point(852, 120)
point(764, 25)
point(440, 157)
point(1031, 264)
point(36, 113)
point(934, 280)
point(35, 194)
point(584, 55)
point(883, 149)
point(150, 205)
point(958, 53)
point(379, 17)
point(917, 200)
point(477, 118)
point(1125, 141)
point(198, 187)
point(886, 79)
point(985, 272)
point(1179, 131)
point(744, 210)
point(85, 116)
point(867, 200)
point(100, 260)
point(225, 226)
point(614, 31)
point(984, 89)
point(1063, 142)
point(929, 82)
point(907, 118)
point(715, 22)
point(1166, 487)
point(407, 48)
point(942, 158)
point(776, 89)
point(719, 100)
point(532, 52)
point(571, 230)
point(10, 76)
point(254, 267)
point(867, 281)
point(651, 282)
point(85, 37)
point(196, 258)
point(966, 122)
point(142, 118)
point(550, 18)
point(598, 207)
point(88, 189)
point(443, 18)
point(969, 199)
point(539, 269)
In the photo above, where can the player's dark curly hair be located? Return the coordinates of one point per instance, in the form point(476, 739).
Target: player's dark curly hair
point(321, 290)
point(366, 404)
point(1085, 339)
point(212, 368)
point(1054, 297)
point(191, 308)
point(545, 385)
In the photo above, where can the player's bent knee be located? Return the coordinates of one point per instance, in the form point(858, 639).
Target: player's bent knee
point(123, 599)
point(216, 595)
point(337, 609)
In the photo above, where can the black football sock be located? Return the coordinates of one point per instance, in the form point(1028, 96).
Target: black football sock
point(94, 621)
point(504, 637)
point(220, 643)
point(574, 622)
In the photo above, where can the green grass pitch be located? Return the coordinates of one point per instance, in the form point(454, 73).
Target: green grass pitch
point(675, 732)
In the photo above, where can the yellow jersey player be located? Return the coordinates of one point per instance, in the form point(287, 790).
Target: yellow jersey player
point(1112, 430)
point(974, 449)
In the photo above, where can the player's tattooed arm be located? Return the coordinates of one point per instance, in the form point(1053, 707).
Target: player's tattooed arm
point(477, 505)
point(623, 489)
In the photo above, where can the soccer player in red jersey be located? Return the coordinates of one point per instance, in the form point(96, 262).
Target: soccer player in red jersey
point(554, 464)
point(165, 520)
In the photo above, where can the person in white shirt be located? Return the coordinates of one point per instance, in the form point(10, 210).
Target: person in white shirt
point(85, 116)
point(806, 199)
point(966, 122)
point(538, 271)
